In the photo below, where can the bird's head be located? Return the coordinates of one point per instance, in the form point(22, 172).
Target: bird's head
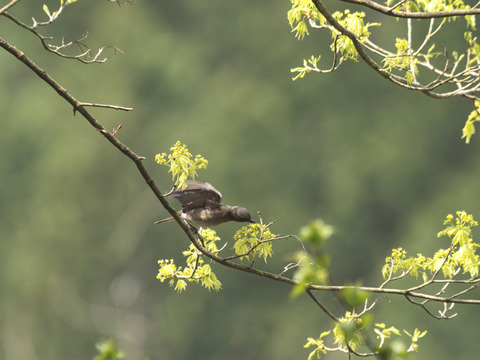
point(240, 214)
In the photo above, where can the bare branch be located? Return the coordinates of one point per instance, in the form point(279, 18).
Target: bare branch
point(8, 6)
point(422, 305)
point(115, 107)
point(321, 306)
point(86, 55)
point(413, 15)
point(121, 2)
point(447, 307)
point(367, 307)
point(464, 291)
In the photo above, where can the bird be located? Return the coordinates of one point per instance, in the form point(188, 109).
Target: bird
point(202, 206)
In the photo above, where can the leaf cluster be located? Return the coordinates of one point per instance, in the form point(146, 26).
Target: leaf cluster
point(341, 44)
point(460, 256)
point(52, 16)
point(253, 241)
point(300, 12)
point(354, 23)
point(195, 269)
point(347, 331)
point(182, 165)
point(348, 334)
point(403, 60)
point(312, 267)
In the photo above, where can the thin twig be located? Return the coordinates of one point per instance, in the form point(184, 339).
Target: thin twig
point(413, 15)
point(107, 106)
point(321, 306)
point(8, 6)
point(260, 242)
point(85, 56)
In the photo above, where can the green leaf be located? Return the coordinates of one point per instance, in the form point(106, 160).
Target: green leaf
point(469, 129)
point(180, 286)
point(316, 233)
point(354, 296)
point(415, 337)
point(320, 347)
point(309, 272)
point(45, 8)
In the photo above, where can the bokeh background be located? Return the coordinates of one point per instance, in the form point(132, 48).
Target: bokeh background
point(78, 248)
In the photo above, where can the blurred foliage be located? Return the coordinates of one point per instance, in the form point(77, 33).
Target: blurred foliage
point(312, 269)
point(78, 249)
point(348, 331)
point(107, 351)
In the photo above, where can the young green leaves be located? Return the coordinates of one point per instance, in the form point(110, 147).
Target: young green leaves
point(253, 241)
point(408, 61)
point(312, 268)
point(301, 11)
point(342, 46)
point(195, 269)
point(348, 333)
point(469, 129)
point(182, 165)
point(460, 256)
point(52, 16)
point(107, 350)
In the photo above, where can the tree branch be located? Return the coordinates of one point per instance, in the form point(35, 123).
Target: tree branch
point(413, 15)
point(107, 106)
point(85, 56)
point(8, 6)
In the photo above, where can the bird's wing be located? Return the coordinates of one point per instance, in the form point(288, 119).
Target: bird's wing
point(196, 195)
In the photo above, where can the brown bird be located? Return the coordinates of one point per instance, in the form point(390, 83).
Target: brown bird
point(202, 206)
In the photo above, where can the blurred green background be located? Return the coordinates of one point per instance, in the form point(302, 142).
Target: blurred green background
point(78, 248)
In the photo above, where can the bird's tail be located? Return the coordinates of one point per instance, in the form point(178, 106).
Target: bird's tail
point(166, 220)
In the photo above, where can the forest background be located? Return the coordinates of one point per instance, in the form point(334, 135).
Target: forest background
point(78, 248)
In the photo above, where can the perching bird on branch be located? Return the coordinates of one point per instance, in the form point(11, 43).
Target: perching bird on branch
point(202, 206)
